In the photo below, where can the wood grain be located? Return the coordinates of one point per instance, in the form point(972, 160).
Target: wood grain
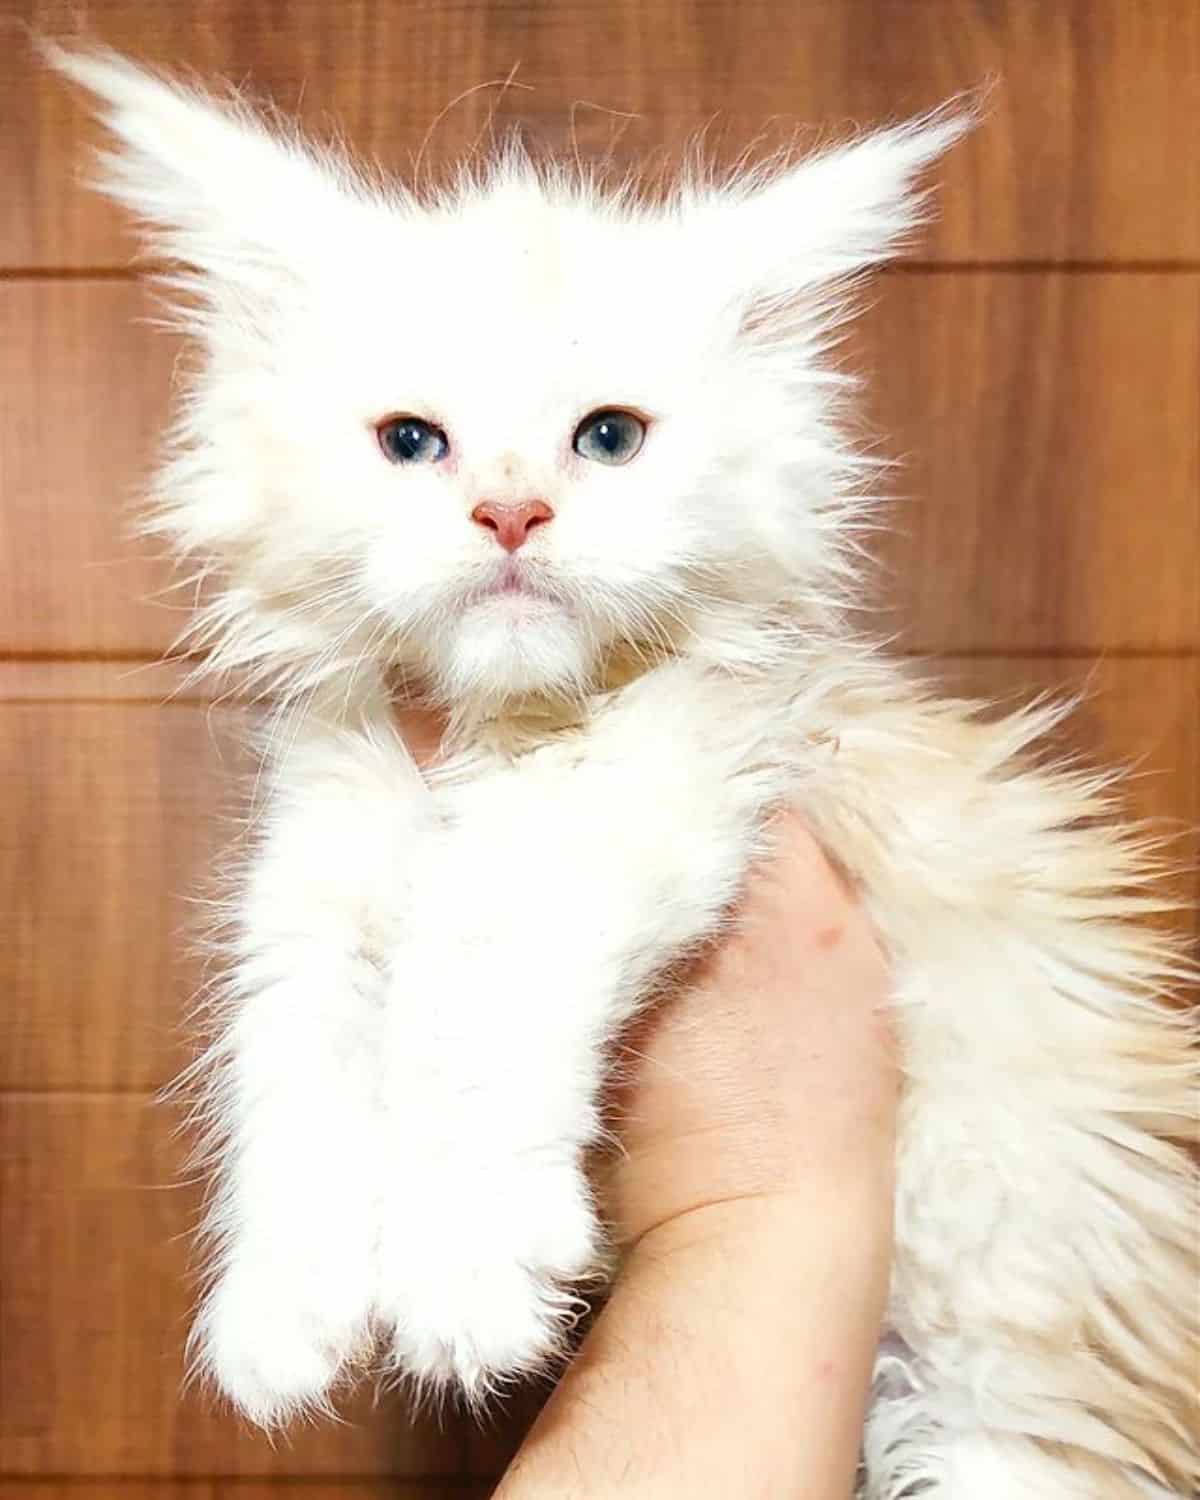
point(1049, 436)
point(96, 1286)
point(385, 1487)
point(71, 680)
point(434, 1488)
point(107, 1489)
point(86, 389)
point(112, 813)
point(1048, 424)
point(1087, 152)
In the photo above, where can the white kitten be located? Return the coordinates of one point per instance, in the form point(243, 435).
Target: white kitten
point(391, 459)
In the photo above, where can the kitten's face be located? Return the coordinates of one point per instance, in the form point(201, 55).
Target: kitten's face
point(492, 438)
point(523, 436)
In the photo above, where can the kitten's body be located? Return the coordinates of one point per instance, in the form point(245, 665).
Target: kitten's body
point(426, 976)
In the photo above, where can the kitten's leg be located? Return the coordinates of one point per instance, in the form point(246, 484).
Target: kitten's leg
point(539, 926)
point(480, 1251)
point(493, 1058)
point(293, 1216)
point(295, 1100)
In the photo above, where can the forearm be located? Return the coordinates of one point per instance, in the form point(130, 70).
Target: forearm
point(732, 1359)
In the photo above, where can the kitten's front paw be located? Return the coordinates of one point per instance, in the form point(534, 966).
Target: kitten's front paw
point(272, 1349)
point(481, 1291)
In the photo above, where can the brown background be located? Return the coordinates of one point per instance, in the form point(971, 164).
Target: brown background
point(1035, 368)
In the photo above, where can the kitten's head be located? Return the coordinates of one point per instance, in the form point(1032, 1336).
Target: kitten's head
point(498, 434)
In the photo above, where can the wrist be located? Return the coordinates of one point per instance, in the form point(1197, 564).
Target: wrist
point(672, 1195)
point(846, 1220)
point(733, 1357)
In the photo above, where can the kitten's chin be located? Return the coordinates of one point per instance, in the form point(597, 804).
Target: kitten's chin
point(498, 654)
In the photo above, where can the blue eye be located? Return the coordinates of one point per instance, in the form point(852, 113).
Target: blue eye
point(411, 440)
point(609, 436)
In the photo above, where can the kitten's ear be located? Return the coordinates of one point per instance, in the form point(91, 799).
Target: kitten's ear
point(211, 184)
point(817, 221)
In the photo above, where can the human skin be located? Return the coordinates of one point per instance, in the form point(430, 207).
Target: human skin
point(751, 1201)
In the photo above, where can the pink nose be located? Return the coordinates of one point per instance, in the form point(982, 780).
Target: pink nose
point(511, 523)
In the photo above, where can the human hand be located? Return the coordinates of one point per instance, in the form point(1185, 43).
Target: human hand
point(770, 1069)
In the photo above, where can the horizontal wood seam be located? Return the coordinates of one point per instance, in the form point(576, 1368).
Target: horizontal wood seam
point(468, 1482)
point(147, 270)
point(917, 653)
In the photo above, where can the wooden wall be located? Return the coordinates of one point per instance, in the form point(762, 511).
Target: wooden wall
point(1035, 368)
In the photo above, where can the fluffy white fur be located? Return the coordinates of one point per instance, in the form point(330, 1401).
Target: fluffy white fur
point(425, 978)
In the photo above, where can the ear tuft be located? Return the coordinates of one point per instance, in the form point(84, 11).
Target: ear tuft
point(801, 226)
point(211, 182)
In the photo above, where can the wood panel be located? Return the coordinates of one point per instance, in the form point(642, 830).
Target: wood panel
point(1087, 151)
point(85, 395)
point(112, 811)
point(107, 1489)
point(115, 818)
point(492, 1447)
point(382, 1488)
point(434, 1488)
point(1049, 435)
point(1049, 425)
point(1049, 502)
point(97, 1282)
point(74, 680)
